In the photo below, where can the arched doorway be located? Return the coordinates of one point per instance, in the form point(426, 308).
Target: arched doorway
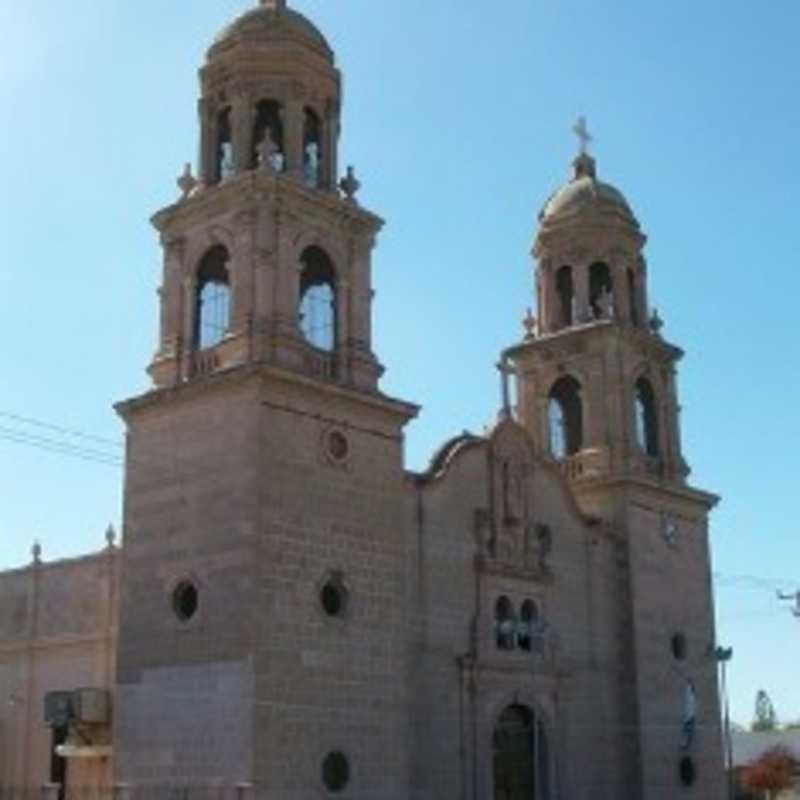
point(521, 759)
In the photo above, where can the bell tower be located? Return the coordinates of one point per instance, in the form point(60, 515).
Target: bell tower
point(267, 254)
point(264, 581)
point(597, 391)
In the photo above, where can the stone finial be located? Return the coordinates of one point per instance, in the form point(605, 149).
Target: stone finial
point(531, 326)
point(350, 185)
point(656, 323)
point(275, 5)
point(187, 183)
point(36, 552)
point(111, 537)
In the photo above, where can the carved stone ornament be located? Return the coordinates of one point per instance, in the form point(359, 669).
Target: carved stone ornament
point(531, 326)
point(350, 185)
point(186, 182)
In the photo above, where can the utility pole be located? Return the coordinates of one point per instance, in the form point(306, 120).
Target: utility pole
point(794, 598)
point(723, 655)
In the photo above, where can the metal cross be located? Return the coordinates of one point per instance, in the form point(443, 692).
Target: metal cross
point(582, 132)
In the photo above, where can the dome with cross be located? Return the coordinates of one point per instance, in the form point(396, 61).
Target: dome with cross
point(584, 193)
point(271, 22)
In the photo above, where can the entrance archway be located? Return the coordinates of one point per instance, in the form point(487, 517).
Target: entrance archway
point(521, 759)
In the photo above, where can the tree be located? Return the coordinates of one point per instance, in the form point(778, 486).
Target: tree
point(766, 719)
point(772, 773)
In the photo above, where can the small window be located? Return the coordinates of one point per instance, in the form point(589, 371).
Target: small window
point(528, 617)
point(678, 646)
point(646, 418)
point(335, 772)
point(565, 418)
point(185, 601)
point(338, 446)
point(318, 299)
point(504, 624)
point(212, 304)
point(687, 771)
point(333, 596)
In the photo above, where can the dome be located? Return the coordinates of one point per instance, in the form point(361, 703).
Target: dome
point(584, 193)
point(272, 22)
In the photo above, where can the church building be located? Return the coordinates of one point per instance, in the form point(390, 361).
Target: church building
point(293, 614)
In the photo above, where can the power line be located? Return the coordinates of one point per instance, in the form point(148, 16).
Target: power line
point(72, 432)
point(59, 447)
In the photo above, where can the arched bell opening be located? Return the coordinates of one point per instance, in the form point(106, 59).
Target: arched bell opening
point(647, 436)
point(318, 310)
point(521, 756)
point(312, 149)
point(601, 291)
point(504, 624)
point(565, 418)
point(224, 166)
point(212, 299)
point(268, 143)
point(565, 290)
point(526, 627)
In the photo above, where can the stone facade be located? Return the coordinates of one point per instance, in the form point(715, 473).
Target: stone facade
point(299, 614)
point(57, 633)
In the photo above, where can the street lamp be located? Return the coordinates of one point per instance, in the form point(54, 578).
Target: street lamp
point(723, 655)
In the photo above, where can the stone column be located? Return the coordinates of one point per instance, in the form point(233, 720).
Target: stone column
point(170, 294)
point(293, 138)
point(205, 159)
point(241, 269)
point(549, 317)
point(641, 291)
point(330, 148)
point(621, 293)
point(580, 283)
point(242, 131)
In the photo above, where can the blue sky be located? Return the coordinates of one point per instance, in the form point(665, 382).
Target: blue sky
point(458, 119)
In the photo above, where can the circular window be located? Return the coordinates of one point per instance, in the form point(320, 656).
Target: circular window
point(185, 601)
point(335, 772)
point(333, 598)
point(688, 771)
point(338, 446)
point(679, 647)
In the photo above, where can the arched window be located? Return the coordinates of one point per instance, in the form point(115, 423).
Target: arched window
point(566, 295)
point(646, 417)
point(528, 617)
point(268, 135)
point(601, 291)
point(212, 299)
point(504, 624)
point(565, 417)
point(224, 161)
point(632, 299)
point(318, 310)
point(312, 148)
